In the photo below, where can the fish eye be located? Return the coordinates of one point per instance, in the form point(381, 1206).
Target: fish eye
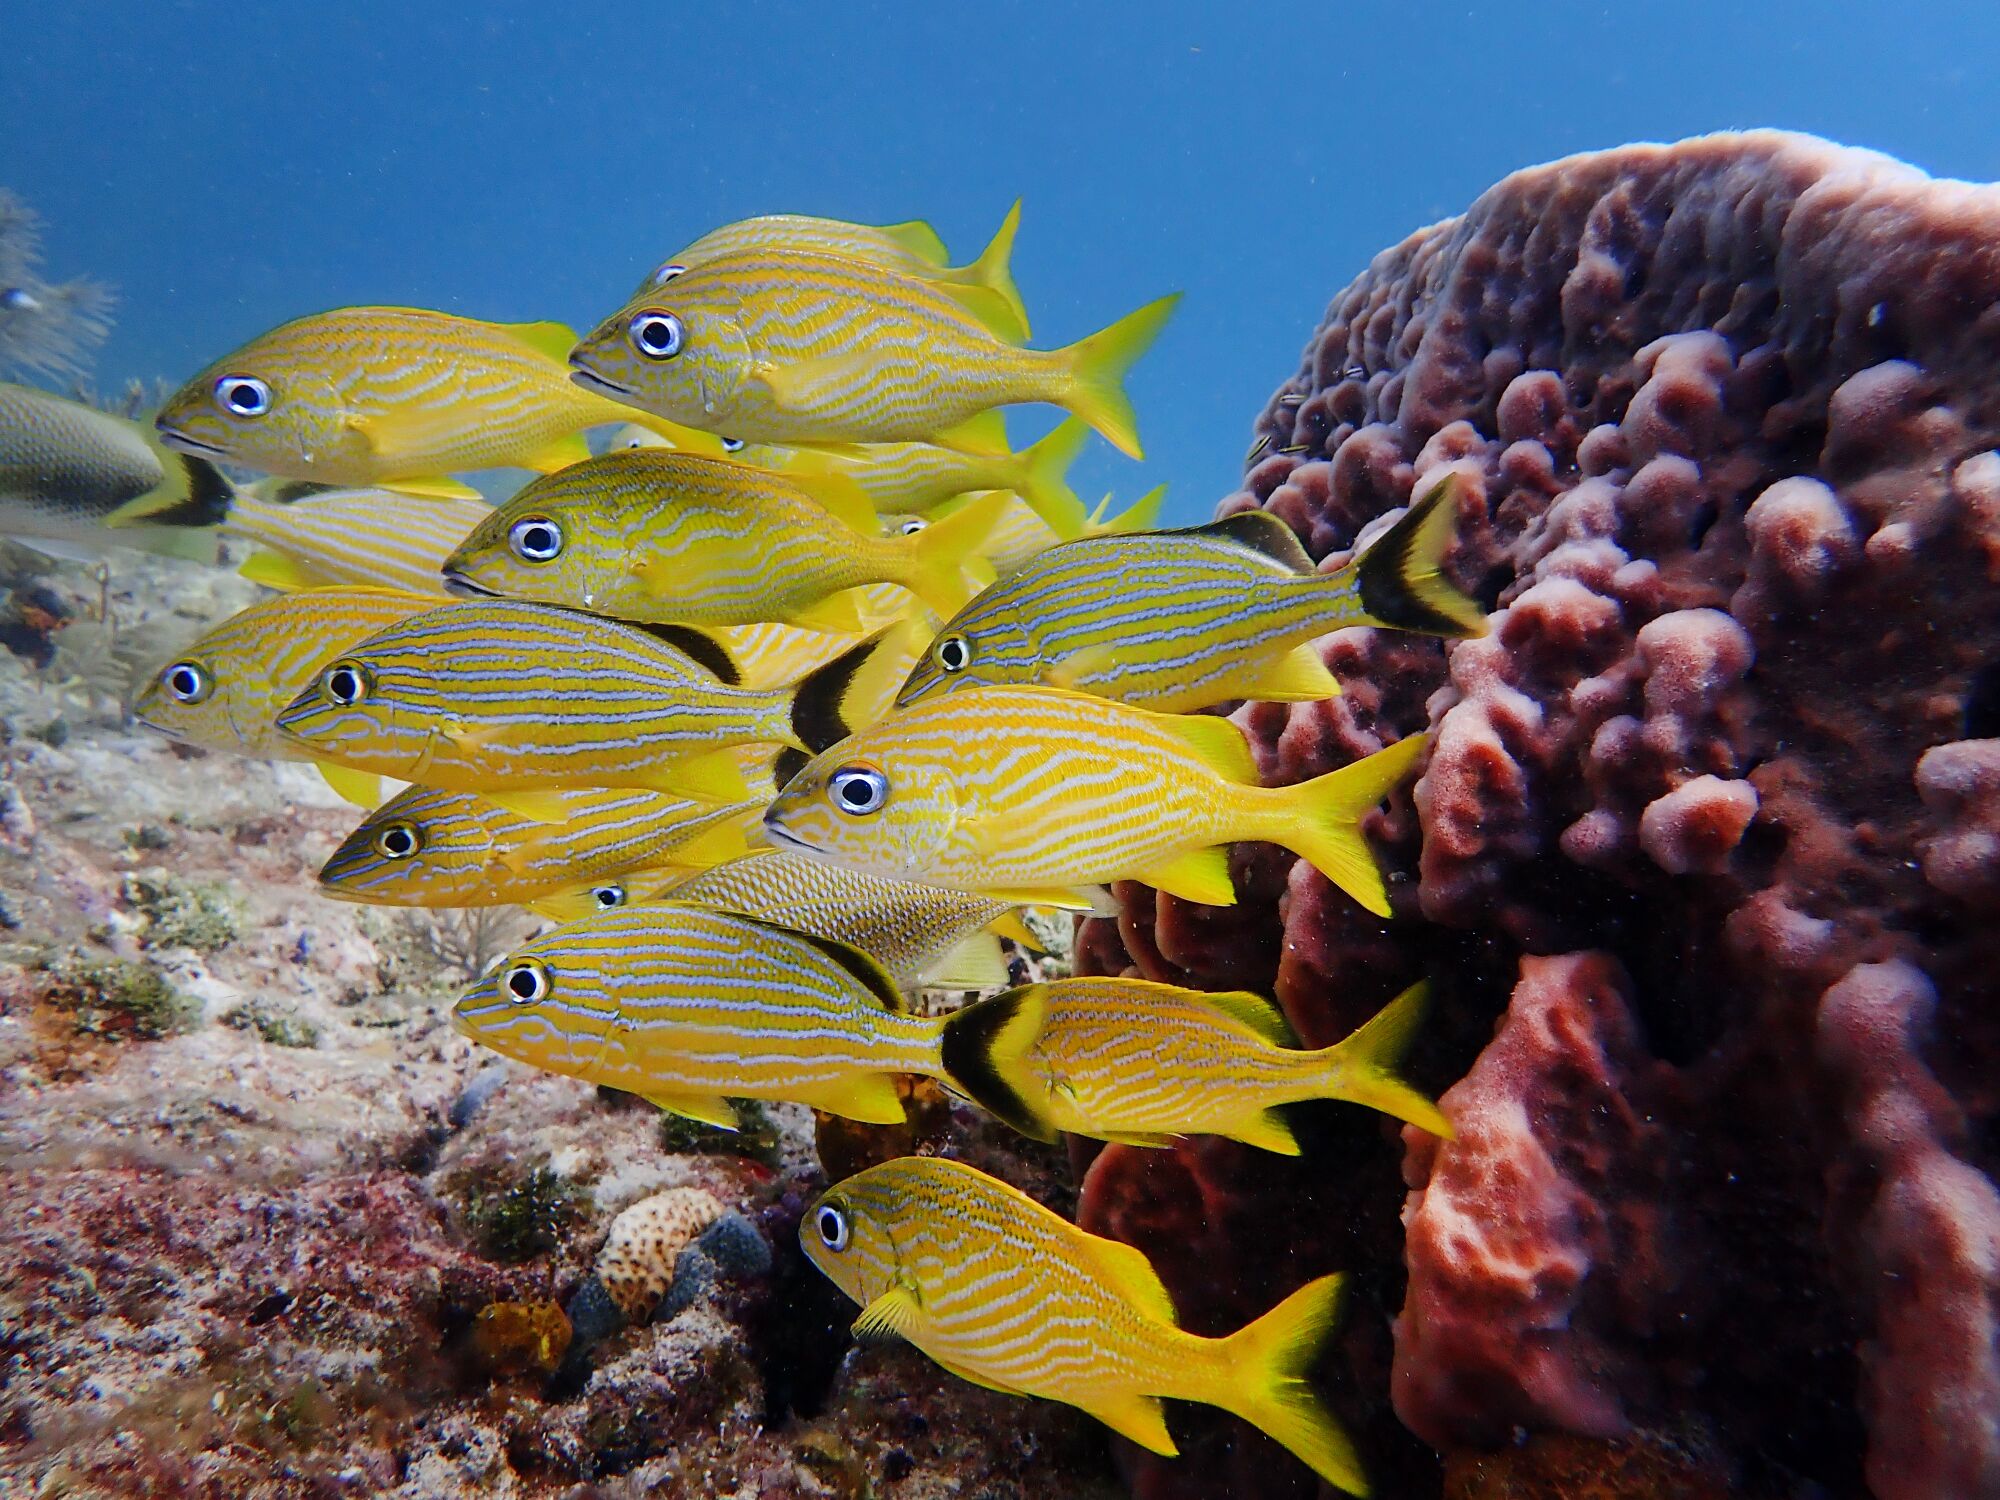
point(527, 981)
point(186, 681)
point(608, 897)
point(859, 790)
point(953, 653)
point(243, 395)
point(913, 525)
point(668, 272)
point(832, 1226)
point(655, 334)
point(732, 445)
point(345, 682)
point(535, 539)
point(398, 841)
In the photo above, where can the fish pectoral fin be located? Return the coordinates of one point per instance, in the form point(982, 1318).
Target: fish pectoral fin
point(1077, 665)
point(710, 847)
point(1201, 875)
point(890, 1316)
point(1009, 925)
point(276, 571)
point(984, 434)
point(558, 455)
point(710, 1109)
point(1141, 1418)
point(794, 386)
point(534, 805)
point(1299, 676)
point(568, 906)
point(836, 614)
point(870, 1098)
point(976, 963)
point(708, 776)
point(1267, 1131)
point(433, 487)
point(362, 788)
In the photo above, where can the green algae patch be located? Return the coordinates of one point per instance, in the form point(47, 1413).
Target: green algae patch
point(518, 1219)
point(114, 997)
point(275, 1024)
point(181, 913)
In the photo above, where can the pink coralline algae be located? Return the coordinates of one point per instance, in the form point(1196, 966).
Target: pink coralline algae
point(1703, 860)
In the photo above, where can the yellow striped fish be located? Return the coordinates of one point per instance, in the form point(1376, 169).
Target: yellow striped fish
point(398, 397)
point(376, 538)
point(918, 933)
point(686, 1004)
point(508, 698)
point(1132, 1061)
point(647, 534)
point(425, 847)
point(1019, 534)
point(984, 288)
point(1024, 794)
point(1178, 620)
point(225, 691)
point(1004, 1293)
point(784, 346)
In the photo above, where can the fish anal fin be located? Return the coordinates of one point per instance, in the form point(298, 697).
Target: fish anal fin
point(1267, 1131)
point(432, 487)
point(1255, 1012)
point(893, 1315)
point(362, 788)
point(558, 455)
point(870, 1098)
point(707, 776)
point(1201, 875)
point(1219, 743)
point(1141, 1418)
point(836, 614)
point(1298, 676)
point(276, 571)
point(1060, 898)
point(710, 1109)
point(1009, 925)
point(711, 846)
point(983, 434)
point(1151, 1140)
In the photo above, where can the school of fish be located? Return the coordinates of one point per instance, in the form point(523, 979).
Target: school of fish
point(783, 703)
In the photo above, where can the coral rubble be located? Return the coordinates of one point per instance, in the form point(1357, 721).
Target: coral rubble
point(1705, 853)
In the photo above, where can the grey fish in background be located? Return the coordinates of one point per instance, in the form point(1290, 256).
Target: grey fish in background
point(46, 328)
point(74, 480)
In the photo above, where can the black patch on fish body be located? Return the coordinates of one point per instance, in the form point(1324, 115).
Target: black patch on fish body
point(209, 496)
point(789, 762)
point(869, 974)
point(819, 705)
point(967, 1054)
point(705, 650)
point(299, 489)
point(1260, 531)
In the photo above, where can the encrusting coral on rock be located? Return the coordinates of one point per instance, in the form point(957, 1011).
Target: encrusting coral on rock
point(1708, 827)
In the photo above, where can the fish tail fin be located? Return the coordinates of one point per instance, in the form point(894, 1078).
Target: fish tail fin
point(1142, 514)
point(1267, 1387)
point(1097, 367)
point(1362, 1067)
point(1044, 477)
point(982, 1048)
point(991, 269)
point(1321, 819)
point(853, 690)
point(941, 552)
point(1400, 579)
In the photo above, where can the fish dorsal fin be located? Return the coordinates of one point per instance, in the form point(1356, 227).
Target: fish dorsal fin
point(983, 434)
point(866, 971)
point(1126, 1267)
point(362, 788)
point(1218, 742)
point(988, 306)
point(1254, 1011)
point(890, 1316)
point(1009, 925)
point(553, 340)
point(919, 239)
point(703, 649)
point(1263, 532)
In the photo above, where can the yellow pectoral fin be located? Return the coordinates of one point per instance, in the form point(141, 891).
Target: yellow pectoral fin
point(276, 571)
point(433, 487)
point(1202, 876)
point(534, 805)
point(570, 906)
point(558, 455)
point(1072, 670)
point(1141, 1418)
point(1010, 926)
point(710, 1109)
point(798, 385)
point(711, 776)
point(362, 788)
point(890, 1316)
point(983, 434)
point(1299, 676)
point(870, 1098)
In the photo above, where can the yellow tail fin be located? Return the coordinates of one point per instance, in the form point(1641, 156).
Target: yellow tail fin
point(1043, 484)
point(1097, 372)
point(990, 270)
point(1268, 1362)
point(940, 552)
point(1400, 579)
point(1142, 514)
point(1321, 819)
point(1362, 1068)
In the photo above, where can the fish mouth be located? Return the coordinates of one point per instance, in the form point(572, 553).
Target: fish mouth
point(457, 583)
point(779, 837)
point(176, 439)
point(590, 380)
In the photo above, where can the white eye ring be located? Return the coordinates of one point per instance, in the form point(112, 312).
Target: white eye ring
point(655, 334)
point(243, 395)
point(732, 445)
point(398, 841)
point(535, 539)
point(859, 790)
point(527, 982)
point(913, 525)
point(953, 653)
point(832, 1226)
point(345, 683)
point(608, 897)
point(668, 272)
point(186, 681)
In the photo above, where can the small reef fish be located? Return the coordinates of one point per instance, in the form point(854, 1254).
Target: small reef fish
point(510, 698)
point(648, 534)
point(425, 847)
point(1006, 1294)
point(1024, 794)
point(686, 1004)
point(1020, 534)
point(224, 691)
point(1180, 620)
point(1137, 1062)
point(916, 932)
point(784, 346)
point(396, 397)
point(371, 538)
point(74, 479)
point(984, 288)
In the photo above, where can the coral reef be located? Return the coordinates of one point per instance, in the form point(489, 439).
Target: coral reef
point(1708, 828)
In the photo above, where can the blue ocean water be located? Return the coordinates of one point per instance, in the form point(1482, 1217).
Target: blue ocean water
point(232, 166)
